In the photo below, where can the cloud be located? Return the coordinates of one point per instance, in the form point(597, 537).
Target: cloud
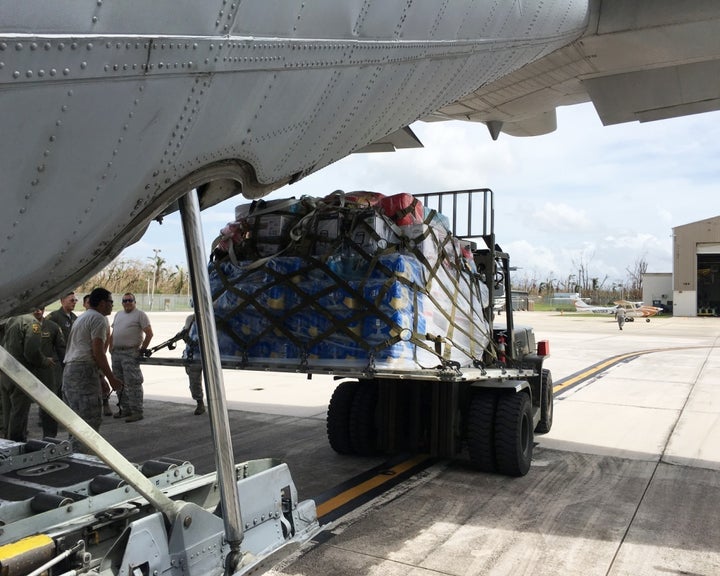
point(559, 217)
point(604, 196)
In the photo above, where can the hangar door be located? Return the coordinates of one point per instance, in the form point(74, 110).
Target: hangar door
point(708, 281)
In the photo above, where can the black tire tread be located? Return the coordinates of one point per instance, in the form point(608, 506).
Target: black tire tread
point(481, 430)
point(546, 403)
point(512, 419)
point(338, 416)
point(363, 426)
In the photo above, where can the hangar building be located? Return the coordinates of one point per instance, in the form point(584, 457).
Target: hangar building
point(696, 268)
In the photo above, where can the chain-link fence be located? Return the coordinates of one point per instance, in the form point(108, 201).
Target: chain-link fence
point(163, 302)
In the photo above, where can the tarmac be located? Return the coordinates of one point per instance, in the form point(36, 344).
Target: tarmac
point(624, 484)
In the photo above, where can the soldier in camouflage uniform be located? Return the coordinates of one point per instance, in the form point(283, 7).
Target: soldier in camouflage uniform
point(131, 335)
point(23, 341)
point(52, 346)
point(194, 370)
point(85, 360)
point(64, 317)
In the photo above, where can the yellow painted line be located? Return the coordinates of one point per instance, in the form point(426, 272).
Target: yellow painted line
point(390, 473)
point(593, 370)
point(369, 484)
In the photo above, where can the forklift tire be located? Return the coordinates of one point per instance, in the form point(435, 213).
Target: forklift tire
point(481, 430)
point(363, 419)
point(338, 416)
point(513, 434)
point(546, 403)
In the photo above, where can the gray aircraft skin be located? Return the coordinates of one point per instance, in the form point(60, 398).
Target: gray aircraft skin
point(113, 110)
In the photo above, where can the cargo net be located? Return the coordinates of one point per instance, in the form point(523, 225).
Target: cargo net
point(357, 281)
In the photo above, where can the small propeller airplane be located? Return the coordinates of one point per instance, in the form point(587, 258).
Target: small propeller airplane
point(632, 309)
point(637, 310)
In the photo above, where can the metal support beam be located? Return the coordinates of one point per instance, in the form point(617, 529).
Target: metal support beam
point(212, 370)
point(61, 412)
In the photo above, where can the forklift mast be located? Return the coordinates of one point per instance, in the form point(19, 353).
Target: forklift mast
point(472, 218)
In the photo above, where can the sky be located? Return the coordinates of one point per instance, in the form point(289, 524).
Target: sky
point(601, 197)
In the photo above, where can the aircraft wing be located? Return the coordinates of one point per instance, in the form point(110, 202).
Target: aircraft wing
point(639, 60)
point(402, 138)
point(114, 110)
point(581, 306)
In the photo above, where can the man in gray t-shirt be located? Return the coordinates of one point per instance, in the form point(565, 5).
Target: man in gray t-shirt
point(85, 360)
point(130, 337)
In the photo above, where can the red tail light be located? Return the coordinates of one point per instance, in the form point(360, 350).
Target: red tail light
point(543, 348)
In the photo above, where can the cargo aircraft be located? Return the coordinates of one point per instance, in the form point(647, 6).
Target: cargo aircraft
point(117, 113)
point(111, 111)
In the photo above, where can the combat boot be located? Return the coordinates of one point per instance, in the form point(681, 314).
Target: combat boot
point(200, 409)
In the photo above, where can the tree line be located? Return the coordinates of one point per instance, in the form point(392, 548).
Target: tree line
point(599, 289)
point(129, 275)
point(156, 277)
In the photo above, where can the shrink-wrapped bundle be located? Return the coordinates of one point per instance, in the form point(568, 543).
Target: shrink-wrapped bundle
point(346, 286)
